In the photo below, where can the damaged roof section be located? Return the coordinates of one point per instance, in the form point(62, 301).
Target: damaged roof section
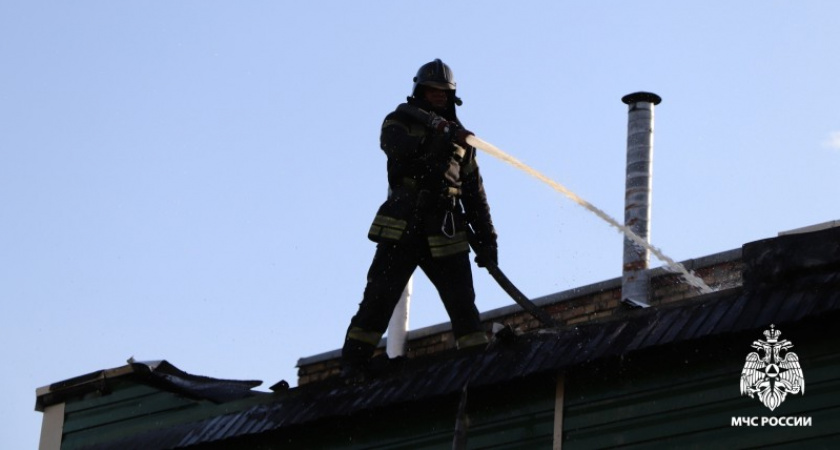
point(107, 405)
point(160, 374)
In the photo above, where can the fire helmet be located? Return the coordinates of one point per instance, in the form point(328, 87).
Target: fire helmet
point(438, 75)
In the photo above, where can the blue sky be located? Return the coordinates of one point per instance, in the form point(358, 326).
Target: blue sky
point(194, 180)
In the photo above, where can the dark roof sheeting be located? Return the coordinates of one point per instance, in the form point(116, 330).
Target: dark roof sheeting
point(527, 355)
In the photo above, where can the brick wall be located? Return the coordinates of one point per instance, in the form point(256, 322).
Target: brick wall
point(586, 304)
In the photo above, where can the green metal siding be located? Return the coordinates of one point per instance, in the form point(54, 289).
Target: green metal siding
point(670, 402)
point(126, 408)
point(521, 415)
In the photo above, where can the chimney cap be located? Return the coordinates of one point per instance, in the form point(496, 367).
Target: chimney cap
point(641, 97)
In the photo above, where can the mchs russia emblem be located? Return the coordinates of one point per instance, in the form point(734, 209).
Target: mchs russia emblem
point(772, 376)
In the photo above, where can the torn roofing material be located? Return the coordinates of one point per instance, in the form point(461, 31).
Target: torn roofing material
point(159, 374)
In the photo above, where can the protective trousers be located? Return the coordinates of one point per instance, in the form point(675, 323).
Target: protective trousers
point(392, 266)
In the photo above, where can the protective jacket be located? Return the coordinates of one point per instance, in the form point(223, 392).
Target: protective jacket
point(435, 188)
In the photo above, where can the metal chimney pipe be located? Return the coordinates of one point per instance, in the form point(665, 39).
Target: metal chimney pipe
point(395, 345)
point(635, 281)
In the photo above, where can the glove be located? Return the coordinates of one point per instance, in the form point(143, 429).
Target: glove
point(459, 135)
point(438, 123)
point(488, 256)
point(455, 132)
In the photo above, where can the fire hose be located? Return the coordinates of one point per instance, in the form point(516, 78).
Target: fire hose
point(511, 289)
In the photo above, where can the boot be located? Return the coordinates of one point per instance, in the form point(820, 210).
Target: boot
point(355, 361)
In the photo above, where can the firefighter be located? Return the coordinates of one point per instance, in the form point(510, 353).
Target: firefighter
point(435, 193)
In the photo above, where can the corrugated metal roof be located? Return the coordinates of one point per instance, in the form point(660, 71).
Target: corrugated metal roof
point(527, 355)
point(810, 290)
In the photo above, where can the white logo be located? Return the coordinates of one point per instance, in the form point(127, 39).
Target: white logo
point(772, 377)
